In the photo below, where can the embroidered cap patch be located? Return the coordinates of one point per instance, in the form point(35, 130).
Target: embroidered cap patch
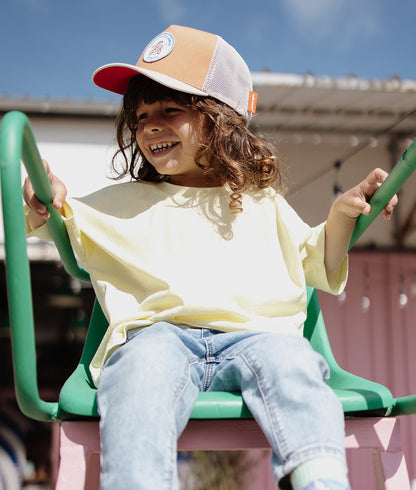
point(159, 47)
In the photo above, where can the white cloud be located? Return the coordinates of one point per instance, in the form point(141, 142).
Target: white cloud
point(346, 20)
point(311, 11)
point(172, 11)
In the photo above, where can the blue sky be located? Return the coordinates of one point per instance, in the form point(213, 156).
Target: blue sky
point(51, 47)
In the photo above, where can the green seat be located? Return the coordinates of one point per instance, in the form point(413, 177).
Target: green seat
point(78, 396)
point(357, 394)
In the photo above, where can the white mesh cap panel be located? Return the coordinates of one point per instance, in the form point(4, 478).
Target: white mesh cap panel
point(228, 78)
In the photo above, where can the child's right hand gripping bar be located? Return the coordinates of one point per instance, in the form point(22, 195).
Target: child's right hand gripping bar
point(400, 173)
point(18, 144)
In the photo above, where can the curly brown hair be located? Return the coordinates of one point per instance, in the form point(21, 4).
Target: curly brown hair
point(231, 152)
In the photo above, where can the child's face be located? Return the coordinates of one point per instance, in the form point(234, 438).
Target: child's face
point(169, 135)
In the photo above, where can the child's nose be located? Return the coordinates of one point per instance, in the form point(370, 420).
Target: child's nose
point(153, 124)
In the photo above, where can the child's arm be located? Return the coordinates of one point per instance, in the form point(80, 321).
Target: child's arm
point(343, 215)
point(38, 213)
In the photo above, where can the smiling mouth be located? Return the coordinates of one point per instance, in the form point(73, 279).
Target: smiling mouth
point(161, 147)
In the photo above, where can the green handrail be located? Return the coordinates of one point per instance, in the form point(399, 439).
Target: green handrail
point(17, 144)
point(16, 133)
point(400, 173)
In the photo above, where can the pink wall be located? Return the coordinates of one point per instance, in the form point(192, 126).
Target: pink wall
point(376, 338)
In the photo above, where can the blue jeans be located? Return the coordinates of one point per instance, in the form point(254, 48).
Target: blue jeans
point(148, 388)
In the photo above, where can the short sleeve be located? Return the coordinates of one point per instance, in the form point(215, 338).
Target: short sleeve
point(309, 242)
point(313, 259)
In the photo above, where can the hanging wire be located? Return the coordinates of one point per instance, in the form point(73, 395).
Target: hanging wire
point(338, 163)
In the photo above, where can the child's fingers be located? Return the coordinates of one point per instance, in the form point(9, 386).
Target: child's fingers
point(388, 210)
point(37, 207)
point(373, 181)
point(58, 189)
point(60, 192)
point(365, 208)
point(31, 199)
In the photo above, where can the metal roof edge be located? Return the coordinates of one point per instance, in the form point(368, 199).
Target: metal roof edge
point(69, 107)
point(393, 84)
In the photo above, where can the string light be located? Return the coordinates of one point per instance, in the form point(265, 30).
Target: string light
point(356, 148)
point(354, 141)
point(341, 298)
point(316, 139)
point(365, 300)
point(374, 143)
point(365, 303)
point(337, 186)
point(403, 299)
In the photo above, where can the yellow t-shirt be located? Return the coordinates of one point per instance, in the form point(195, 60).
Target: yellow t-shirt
point(161, 252)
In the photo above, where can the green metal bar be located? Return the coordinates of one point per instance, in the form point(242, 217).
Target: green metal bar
point(17, 144)
point(17, 124)
point(400, 173)
point(14, 133)
point(405, 405)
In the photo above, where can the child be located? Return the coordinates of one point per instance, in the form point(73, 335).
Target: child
point(201, 268)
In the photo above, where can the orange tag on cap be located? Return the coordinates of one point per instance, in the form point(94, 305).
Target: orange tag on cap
point(252, 102)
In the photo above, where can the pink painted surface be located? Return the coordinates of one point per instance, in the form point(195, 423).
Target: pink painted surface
point(373, 448)
point(379, 342)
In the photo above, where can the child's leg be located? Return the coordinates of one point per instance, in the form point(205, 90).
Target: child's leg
point(145, 398)
point(282, 382)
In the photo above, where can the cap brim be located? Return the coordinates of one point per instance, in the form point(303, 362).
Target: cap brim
point(115, 77)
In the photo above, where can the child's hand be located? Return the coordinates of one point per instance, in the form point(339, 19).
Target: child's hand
point(38, 213)
point(354, 201)
point(343, 215)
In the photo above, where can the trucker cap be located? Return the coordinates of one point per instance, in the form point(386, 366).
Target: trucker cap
point(190, 61)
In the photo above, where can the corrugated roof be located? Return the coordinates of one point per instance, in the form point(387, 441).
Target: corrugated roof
point(286, 102)
point(308, 103)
